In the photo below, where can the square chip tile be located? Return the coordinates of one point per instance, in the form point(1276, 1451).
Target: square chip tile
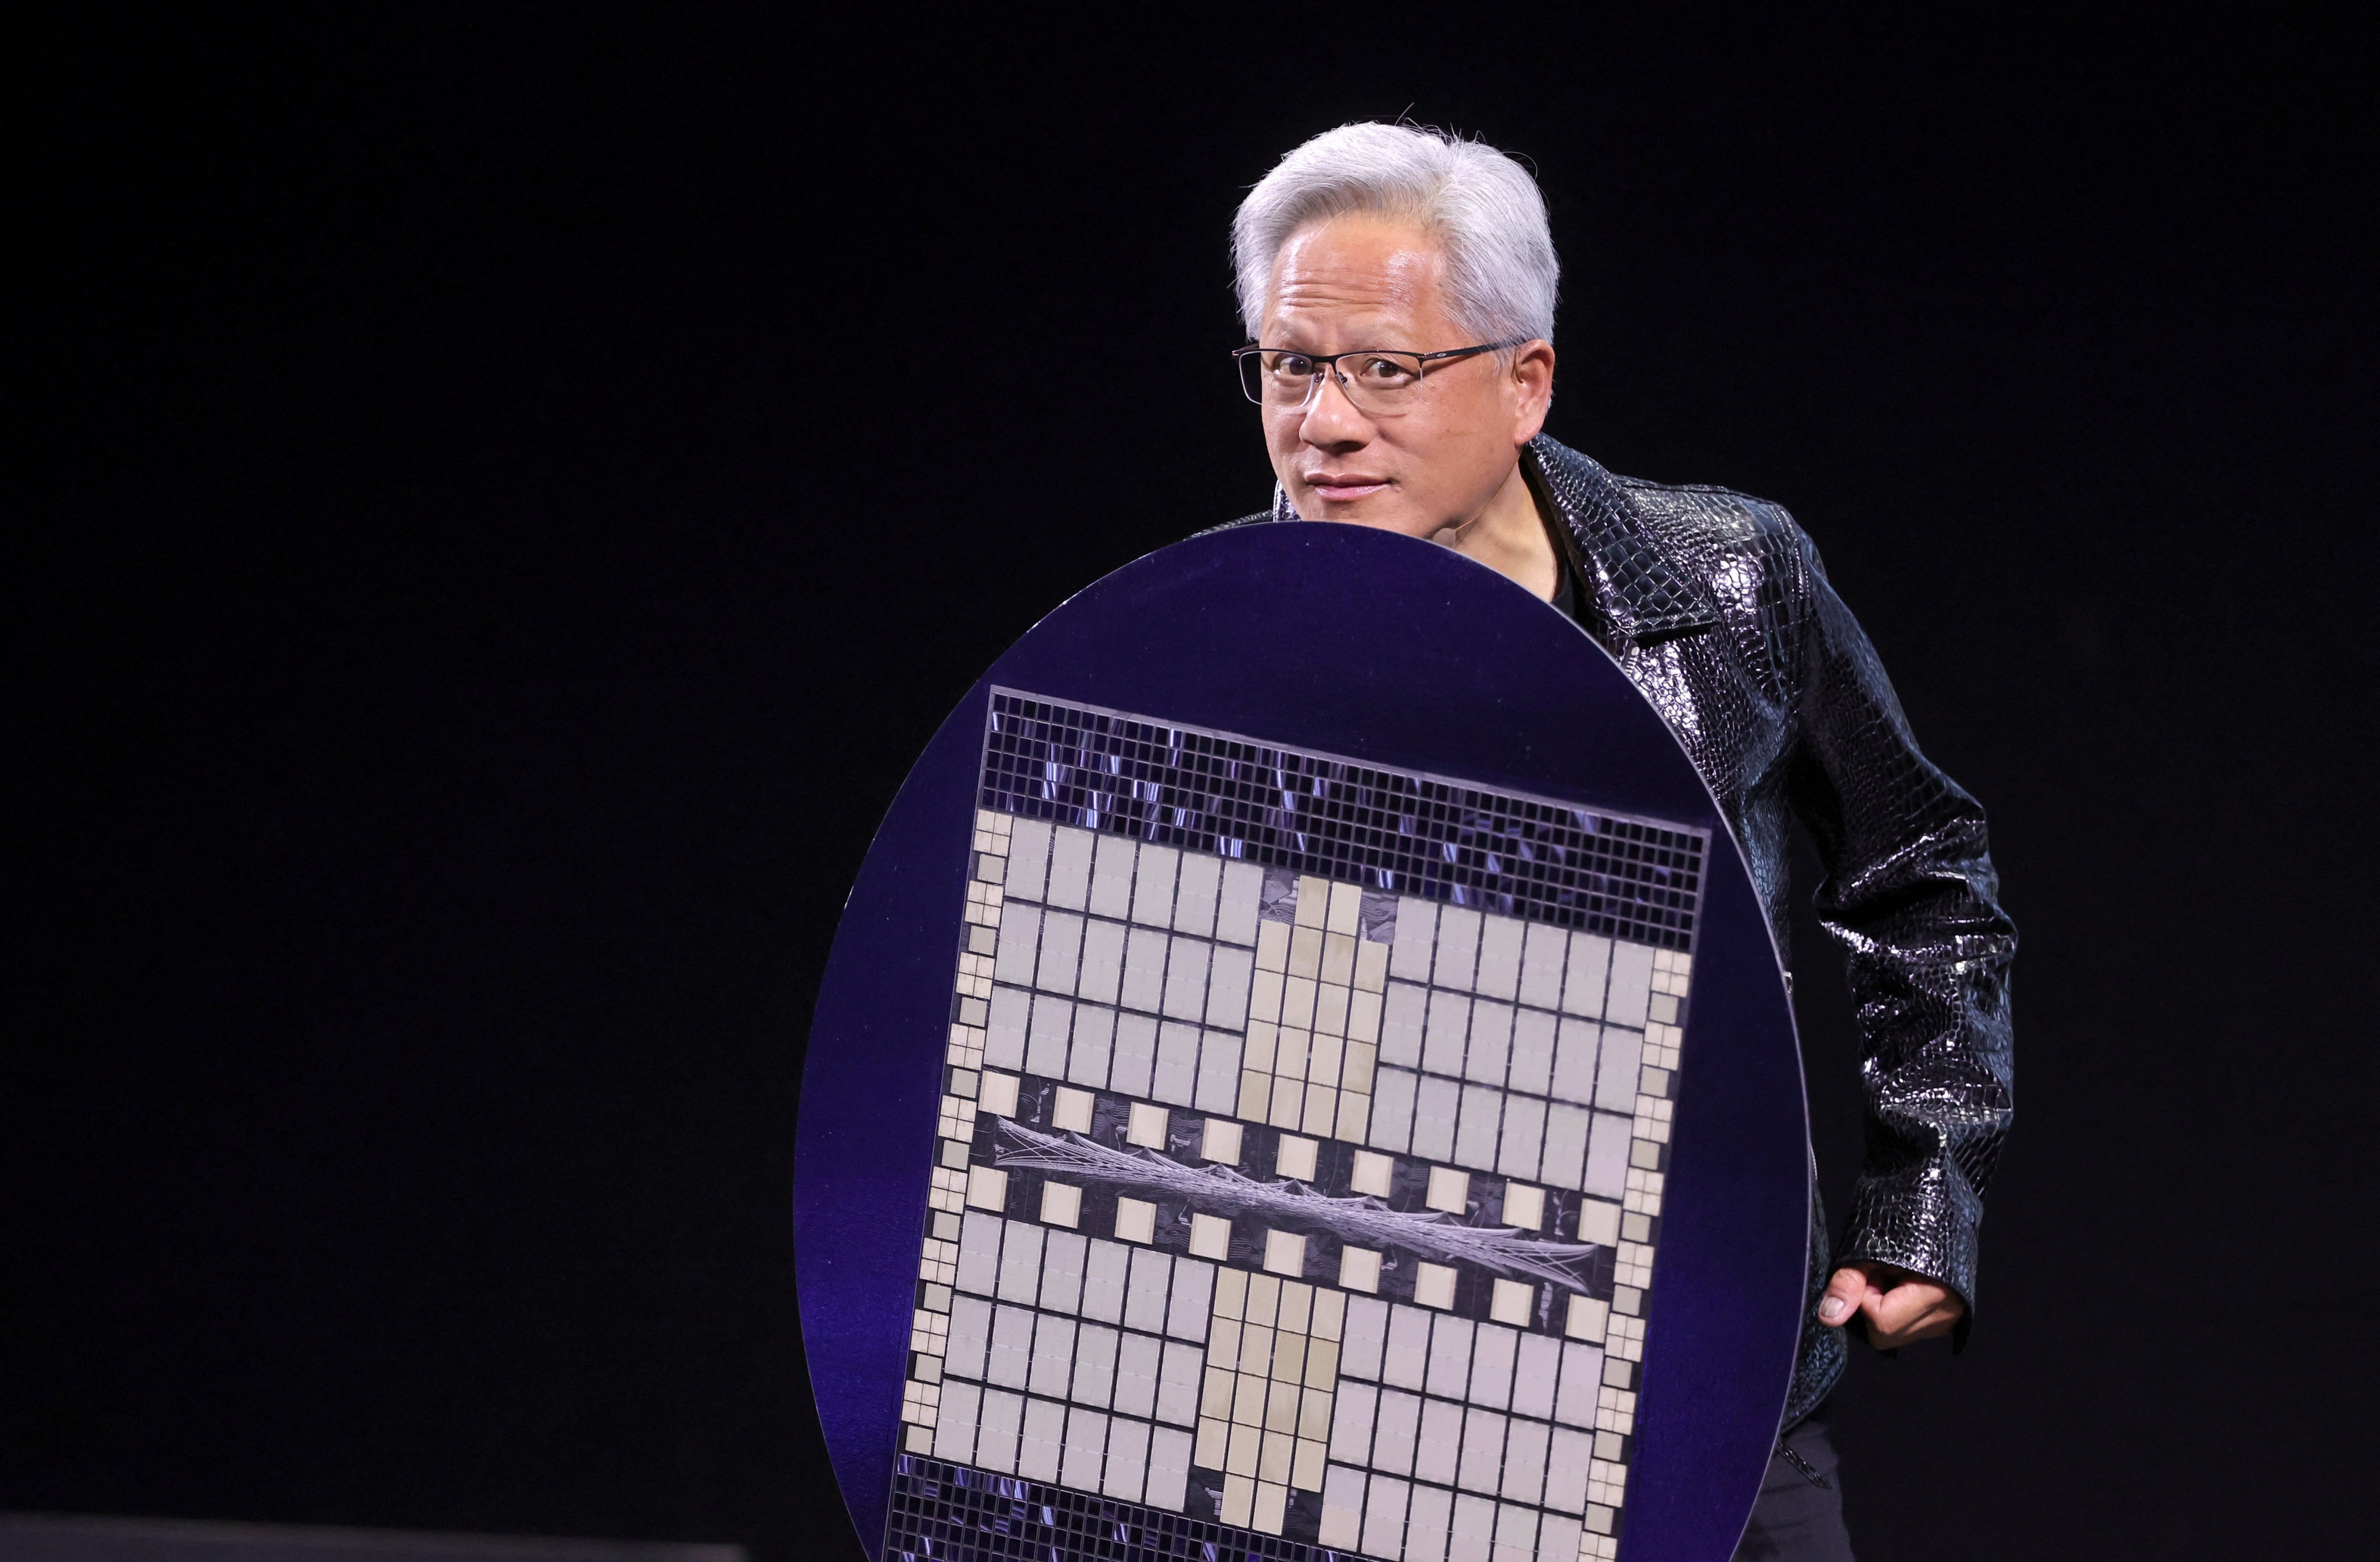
point(1434, 1285)
point(1221, 1142)
point(1071, 1111)
point(1135, 1220)
point(1146, 1126)
point(1285, 1253)
point(986, 1188)
point(1371, 1173)
point(997, 1094)
point(1062, 1204)
point(1210, 1236)
point(1588, 1318)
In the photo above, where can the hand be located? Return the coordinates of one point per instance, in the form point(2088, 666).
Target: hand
point(1900, 1308)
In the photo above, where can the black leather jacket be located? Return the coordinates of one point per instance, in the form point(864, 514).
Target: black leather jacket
point(1717, 607)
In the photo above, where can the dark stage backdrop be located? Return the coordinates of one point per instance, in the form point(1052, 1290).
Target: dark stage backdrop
point(468, 469)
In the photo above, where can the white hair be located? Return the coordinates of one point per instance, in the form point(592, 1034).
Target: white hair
point(1482, 208)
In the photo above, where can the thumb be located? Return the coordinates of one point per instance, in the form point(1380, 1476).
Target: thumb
point(1843, 1297)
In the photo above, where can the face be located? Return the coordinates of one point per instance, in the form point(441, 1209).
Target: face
point(1365, 280)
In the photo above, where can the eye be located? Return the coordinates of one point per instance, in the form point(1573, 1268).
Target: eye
point(1292, 366)
point(1385, 373)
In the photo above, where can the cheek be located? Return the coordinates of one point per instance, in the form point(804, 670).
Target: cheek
point(1471, 428)
point(1280, 438)
point(1442, 451)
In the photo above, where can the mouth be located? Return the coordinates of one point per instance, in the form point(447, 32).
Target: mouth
point(1342, 488)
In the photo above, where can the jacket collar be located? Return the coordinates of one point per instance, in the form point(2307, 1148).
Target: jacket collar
point(1642, 588)
point(1644, 584)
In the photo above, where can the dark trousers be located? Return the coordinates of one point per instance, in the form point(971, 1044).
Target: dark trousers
point(1796, 1519)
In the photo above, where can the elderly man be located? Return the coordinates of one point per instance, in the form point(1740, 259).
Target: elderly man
point(1400, 287)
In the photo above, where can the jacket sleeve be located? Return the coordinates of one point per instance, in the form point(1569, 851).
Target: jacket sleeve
point(1911, 894)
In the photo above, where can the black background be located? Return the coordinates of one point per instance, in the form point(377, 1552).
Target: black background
point(502, 501)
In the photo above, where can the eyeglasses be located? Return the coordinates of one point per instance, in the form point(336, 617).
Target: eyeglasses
point(1380, 381)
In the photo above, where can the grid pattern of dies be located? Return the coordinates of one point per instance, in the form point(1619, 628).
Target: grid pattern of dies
point(1411, 834)
point(1467, 1439)
point(1281, 1213)
point(945, 1512)
point(1070, 1359)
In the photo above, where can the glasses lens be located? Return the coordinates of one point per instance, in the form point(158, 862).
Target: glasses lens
point(1251, 375)
point(1284, 378)
point(1382, 382)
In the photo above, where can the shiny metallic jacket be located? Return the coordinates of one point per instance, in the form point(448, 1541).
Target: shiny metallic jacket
point(1717, 607)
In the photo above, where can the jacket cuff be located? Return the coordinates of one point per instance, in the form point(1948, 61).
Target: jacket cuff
point(1924, 1220)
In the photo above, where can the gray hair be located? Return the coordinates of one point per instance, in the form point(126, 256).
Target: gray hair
point(1481, 206)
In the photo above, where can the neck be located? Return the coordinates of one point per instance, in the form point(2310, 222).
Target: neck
point(1509, 537)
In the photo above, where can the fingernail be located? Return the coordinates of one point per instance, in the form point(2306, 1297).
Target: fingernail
point(1832, 1309)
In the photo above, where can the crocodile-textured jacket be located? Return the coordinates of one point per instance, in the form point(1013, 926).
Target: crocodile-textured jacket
point(1716, 606)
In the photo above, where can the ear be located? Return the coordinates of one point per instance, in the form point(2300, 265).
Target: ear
point(1533, 385)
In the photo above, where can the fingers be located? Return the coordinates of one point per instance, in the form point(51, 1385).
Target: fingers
point(1910, 1312)
point(1900, 1311)
point(1847, 1292)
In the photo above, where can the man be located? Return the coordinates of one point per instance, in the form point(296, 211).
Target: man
point(1399, 285)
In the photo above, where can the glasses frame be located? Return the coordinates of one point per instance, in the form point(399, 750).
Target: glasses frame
point(1328, 363)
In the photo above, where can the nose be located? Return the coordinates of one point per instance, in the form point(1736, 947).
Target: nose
point(1331, 420)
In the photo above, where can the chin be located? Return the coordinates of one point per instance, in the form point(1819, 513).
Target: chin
point(1388, 512)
